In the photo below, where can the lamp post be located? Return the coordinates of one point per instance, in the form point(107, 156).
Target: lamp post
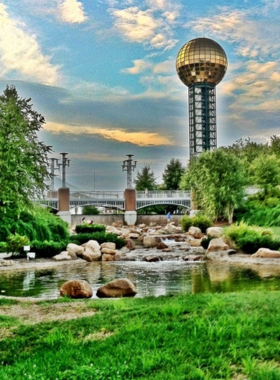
point(129, 165)
point(54, 166)
point(64, 162)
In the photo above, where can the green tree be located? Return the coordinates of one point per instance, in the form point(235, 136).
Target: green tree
point(217, 179)
point(23, 158)
point(90, 210)
point(145, 179)
point(265, 172)
point(172, 174)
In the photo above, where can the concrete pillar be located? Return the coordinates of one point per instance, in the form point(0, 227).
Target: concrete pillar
point(64, 204)
point(130, 215)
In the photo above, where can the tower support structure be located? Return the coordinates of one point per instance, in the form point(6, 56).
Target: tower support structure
point(202, 118)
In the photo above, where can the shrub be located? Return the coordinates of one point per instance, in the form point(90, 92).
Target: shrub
point(90, 210)
point(205, 242)
point(85, 228)
point(16, 242)
point(100, 237)
point(47, 248)
point(250, 238)
point(201, 221)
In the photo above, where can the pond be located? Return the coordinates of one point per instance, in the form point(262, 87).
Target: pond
point(151, 279)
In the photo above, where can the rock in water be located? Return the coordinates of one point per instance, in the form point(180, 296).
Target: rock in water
point(76, 289)
point(121, 287)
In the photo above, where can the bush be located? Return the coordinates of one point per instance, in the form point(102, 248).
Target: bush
point(250, 238)
point(90, 210)
point(85, 228)
point(15, 243)
point(100, 237)
point(47, 248)
point(201, 221)
point(205, 242)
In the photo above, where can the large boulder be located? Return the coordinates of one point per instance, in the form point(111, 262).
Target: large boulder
point(195, 232)
point(107, 257)
point(117, 288)
point(216, 245)
point(108, 251)
point(195, 242)
point(92, 251)
point(108, 245)
point(149, 241)
point(130, 244)
point(62, 256)
point(267, 253)
point(74, 249)
point(76, 289)
point(215, 232)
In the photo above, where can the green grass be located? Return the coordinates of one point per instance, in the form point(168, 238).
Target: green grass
point(207, 336)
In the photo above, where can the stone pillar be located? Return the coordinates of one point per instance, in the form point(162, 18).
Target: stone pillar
point(130, 215)
point(64, 204)
point(52, 194)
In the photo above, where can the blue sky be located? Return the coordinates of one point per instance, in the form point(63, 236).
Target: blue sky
point(102, 72)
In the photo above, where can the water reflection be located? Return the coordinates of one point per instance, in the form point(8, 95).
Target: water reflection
point(151, 279)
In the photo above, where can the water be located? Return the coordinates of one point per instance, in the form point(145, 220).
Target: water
point(151, 279)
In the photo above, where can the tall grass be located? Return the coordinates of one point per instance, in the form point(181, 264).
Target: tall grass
point(196, 337)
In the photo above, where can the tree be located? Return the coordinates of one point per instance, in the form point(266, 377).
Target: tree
point(217, 179)
point(145, 179)
point(23, 158)
point(90, 210)
point(265, 172)
point(172, 174)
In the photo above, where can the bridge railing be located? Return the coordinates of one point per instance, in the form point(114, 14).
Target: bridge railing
point(159, 194)
point(75, 195)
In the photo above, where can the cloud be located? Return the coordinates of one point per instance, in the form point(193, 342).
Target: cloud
point(137, 138)
point(151, 25)
point(72, 11)
point(21, 53)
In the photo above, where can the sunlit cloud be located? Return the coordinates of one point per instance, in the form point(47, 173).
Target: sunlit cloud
point(137, 138)
point(21, 53)
point(72, 11)
point(151, 25)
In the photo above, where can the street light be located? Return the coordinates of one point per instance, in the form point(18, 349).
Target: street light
point(65, 162)
point(129, 165)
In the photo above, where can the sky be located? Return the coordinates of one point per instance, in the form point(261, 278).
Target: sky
point(102, 73)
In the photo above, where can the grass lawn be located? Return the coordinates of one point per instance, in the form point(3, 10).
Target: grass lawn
point(205, 336)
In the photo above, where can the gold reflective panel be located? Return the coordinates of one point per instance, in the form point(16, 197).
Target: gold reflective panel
point(208, 58)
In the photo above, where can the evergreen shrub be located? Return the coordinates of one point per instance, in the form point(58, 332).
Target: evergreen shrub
point(47, 248)
point(250, 238)
point(100, 237)
point(85, 228)
point(205, 242)
point(201, 221)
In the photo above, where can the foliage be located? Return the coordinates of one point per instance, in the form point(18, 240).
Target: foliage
point(16, 242)
point(85, 228)
point(250, 238)
point(195, 336)
point(201, 221)
point(265, 172)
point(217, 180)
point(205, 242)
point(47, 248)
point(172, 174)
point(145, 179)
point(90, 210)
point(23, 158)
point(100, 237)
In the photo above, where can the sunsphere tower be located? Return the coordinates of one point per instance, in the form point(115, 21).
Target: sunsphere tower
point(201, 64)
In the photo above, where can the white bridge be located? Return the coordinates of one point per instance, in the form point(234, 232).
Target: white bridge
point(115, 199)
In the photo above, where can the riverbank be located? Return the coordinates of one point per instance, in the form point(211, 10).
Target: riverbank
point(199, 337)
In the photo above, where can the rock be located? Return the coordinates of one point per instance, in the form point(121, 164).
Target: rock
point(217, 244)
point(133, 235)
point(170, 228)
point(195, 232)
point(92, 251)
point(76, 289)
point(149, 242)
point(191, 258)
point(217, 255)
point(143, 225)
point(195, 242)
point(117, 288)
point(117, 224)
point(113, 230)
point(108, 245)
point(152, 258)
point(107, 257)
point(215, 232)
point(231, 251)
point(62, 256)
point(161, 245)
point(167, 249)
point(108, 251)
point(130, 245)
point(74, 249)
point(266, 253)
